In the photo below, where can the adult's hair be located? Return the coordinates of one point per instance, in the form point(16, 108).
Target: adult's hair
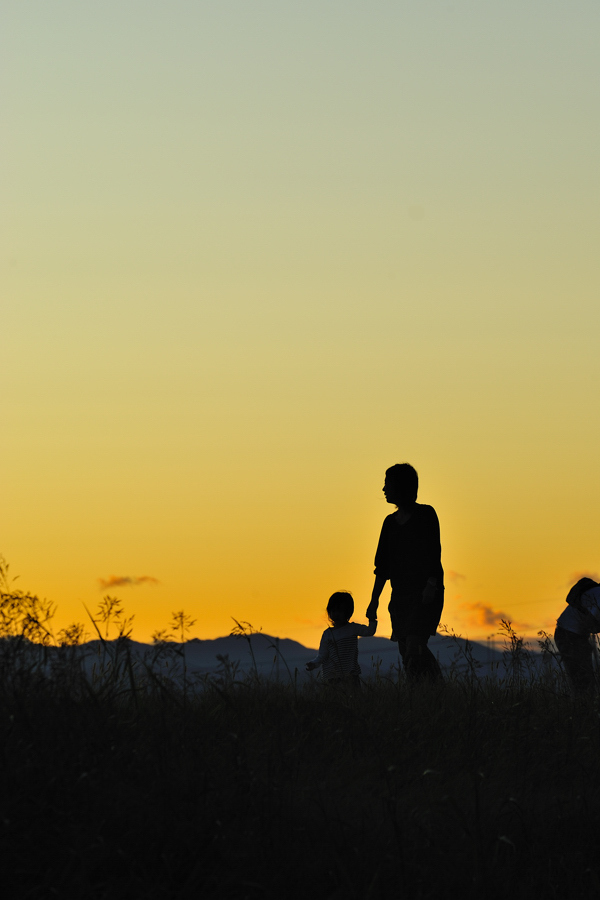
point(403, 483)
point(340, 607)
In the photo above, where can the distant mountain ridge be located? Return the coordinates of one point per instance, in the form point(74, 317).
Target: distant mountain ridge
point(283, 658)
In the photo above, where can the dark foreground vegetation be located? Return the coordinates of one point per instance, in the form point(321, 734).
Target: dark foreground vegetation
point(123, 785)
point(260, 790)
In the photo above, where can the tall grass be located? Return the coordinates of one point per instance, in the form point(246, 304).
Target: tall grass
point(127, 783)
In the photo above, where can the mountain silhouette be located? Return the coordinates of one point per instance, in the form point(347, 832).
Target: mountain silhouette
point(272, 657)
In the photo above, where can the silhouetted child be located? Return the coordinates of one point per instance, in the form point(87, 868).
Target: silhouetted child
point(338, 651)
point(572, 636)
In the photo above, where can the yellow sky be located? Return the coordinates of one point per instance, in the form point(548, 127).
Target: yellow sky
point(253, 254)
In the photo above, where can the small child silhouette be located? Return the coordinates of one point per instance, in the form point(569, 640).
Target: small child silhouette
point(338, 650)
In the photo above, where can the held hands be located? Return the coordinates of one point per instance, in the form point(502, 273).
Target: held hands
point(371, 611)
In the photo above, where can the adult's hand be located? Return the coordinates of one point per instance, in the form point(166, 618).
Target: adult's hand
point(372, 610)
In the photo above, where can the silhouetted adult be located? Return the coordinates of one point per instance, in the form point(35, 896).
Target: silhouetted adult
point(409, 555)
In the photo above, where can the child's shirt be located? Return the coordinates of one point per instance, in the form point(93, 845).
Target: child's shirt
point(585, 620)
point(338, 650)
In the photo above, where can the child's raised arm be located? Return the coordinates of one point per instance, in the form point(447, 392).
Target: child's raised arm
point(366, 630)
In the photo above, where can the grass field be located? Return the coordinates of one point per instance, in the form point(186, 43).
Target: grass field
point(129, 785)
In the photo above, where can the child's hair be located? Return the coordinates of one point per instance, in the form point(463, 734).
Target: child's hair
point(340, 607)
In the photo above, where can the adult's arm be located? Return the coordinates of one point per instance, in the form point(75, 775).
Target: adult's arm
point(382, 570)
point(379, 585)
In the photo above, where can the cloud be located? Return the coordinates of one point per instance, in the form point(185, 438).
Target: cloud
point(482, 615)
point(114, 581)
point(454, 577)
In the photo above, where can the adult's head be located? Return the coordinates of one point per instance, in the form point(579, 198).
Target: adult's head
point(401, 485)
point(340, 607)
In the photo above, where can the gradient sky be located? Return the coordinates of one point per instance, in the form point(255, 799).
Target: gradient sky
point(253, 254)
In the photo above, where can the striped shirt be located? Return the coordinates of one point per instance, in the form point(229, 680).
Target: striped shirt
point(338, 650)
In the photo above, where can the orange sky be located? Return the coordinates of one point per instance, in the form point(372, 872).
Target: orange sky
point(255, 254)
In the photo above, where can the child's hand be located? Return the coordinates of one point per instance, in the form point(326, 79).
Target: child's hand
point(310, 666)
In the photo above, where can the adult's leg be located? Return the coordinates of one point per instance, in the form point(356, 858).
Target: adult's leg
point(417, 659)
point(576, 653)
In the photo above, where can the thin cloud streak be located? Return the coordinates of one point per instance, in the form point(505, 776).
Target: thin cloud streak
point(454, 577)
point(114, 581)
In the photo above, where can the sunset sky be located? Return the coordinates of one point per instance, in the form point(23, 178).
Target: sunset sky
point(254, 253)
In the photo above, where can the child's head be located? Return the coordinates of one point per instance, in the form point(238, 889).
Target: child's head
point(340, 607)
